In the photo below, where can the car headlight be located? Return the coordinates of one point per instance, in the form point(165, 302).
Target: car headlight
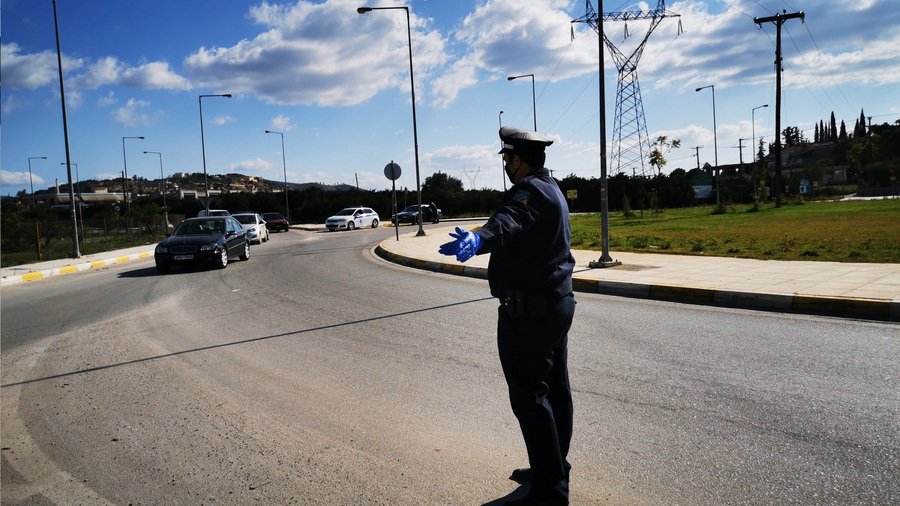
point(162, 249)
point(209, 247)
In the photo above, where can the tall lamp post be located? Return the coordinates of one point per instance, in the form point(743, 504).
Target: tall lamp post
point(715, 142)
point(412, 87)
point(76, 251)
point(533, 103)
point(125, 176)
point(203, 149)
point(502, 170)
point(163, 177)
point(80, 201)
point(30, 179)
point(287, 206)
point(753, 124)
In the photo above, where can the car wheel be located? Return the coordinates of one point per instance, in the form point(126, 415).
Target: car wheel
point(246, 254)
point(267, 236)
point(351, 225)
point(375, 223)
point(223, 258)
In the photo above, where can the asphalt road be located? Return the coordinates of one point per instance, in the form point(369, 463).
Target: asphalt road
point(316, 373)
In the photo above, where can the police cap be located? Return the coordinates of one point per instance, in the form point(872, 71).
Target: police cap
point(523, 141)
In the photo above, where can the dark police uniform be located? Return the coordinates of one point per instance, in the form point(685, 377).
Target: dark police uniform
point(530, 271)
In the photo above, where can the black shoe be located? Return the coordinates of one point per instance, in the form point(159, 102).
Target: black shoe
point(534, 500)
point(523, 476)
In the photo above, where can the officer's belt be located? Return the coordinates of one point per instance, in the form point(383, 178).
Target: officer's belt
point(526, 305)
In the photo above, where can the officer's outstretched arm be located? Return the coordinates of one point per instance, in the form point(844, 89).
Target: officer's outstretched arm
point(465, 245)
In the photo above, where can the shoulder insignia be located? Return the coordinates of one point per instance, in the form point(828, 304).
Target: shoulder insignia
point(521, 197)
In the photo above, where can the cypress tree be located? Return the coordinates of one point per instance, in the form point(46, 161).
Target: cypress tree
point(832, 134)
point(816, 134)
point(843, 134)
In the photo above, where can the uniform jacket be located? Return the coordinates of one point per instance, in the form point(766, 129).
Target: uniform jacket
point(529, 239)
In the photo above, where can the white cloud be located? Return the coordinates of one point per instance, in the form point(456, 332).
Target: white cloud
point(133, 114)
point(17, 178)
point(250, 166)
point(319, 54)
point(222, 120)
point(281, 123)
point(31, 71)
point(109, 71)
point(12, 103)
point(107, 100)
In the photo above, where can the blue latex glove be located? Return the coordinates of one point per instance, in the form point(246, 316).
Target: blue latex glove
point(464, 246)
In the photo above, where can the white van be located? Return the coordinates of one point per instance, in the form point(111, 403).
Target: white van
point(213, 212)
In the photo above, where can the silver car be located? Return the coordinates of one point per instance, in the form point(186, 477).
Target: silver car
point(254, 225)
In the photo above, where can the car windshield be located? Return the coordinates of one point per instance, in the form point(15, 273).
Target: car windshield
point(272, 216)
point(346, 212)
point(246, 219)
point(200, 227)
point(411, 209)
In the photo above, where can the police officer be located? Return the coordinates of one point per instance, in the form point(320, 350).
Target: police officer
point(530, 272)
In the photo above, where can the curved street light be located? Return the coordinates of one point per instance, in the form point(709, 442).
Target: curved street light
point(533, 103)
point(753, 124)
point(203, 148)
point(502, 170)
point(125, 176)
point(287, 206)
point(163, 187)
point(30, 179)
point(715, 142)
point(412, 87)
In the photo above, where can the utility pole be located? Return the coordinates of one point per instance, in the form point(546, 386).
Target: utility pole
point(779, 20)
point(740, 148)
point(697, 154)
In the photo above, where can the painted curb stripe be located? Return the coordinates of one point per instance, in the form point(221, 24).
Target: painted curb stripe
point(32, 276)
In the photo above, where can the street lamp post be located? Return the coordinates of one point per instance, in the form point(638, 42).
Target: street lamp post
point(30, 179)
point(533, 103)
point(412, 87)
point(715, 143)
point(125, 176)
point(80, 201)
point(502, 170)
point(163, 185)
point(753, 124)
point(76, 251)
point(203, 149)
point(287, 206)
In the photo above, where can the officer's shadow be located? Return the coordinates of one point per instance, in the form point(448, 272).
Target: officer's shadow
point(515, 494)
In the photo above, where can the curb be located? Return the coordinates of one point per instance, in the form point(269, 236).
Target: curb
point(71, 269)
point(843, 307)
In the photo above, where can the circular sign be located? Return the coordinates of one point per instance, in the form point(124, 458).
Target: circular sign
point(392, 171)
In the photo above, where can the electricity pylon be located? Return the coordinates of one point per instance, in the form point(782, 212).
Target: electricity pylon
point(631, 142)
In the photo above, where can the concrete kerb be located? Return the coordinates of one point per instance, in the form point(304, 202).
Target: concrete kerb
point(71, 268)
point(845, 307)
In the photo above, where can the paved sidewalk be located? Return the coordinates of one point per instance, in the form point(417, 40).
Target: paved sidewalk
point(856, 290)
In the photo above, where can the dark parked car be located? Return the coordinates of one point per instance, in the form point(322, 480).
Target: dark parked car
point(211, 240)
point(430, 213)
point(275, 221)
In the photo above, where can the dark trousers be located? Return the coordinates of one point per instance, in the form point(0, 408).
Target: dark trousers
point(533, 353)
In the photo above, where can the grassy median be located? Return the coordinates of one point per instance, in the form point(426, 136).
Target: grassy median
point(851, 231)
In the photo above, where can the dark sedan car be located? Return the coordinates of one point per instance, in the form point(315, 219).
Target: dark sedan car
point(430, 213)
point(275, 221)
point(211, 240)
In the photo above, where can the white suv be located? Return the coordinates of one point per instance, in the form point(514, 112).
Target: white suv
point(352, 217)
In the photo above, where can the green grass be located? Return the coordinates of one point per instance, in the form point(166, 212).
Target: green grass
point(852, 231)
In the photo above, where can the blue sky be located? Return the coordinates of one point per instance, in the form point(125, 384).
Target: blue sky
point(336, 83)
